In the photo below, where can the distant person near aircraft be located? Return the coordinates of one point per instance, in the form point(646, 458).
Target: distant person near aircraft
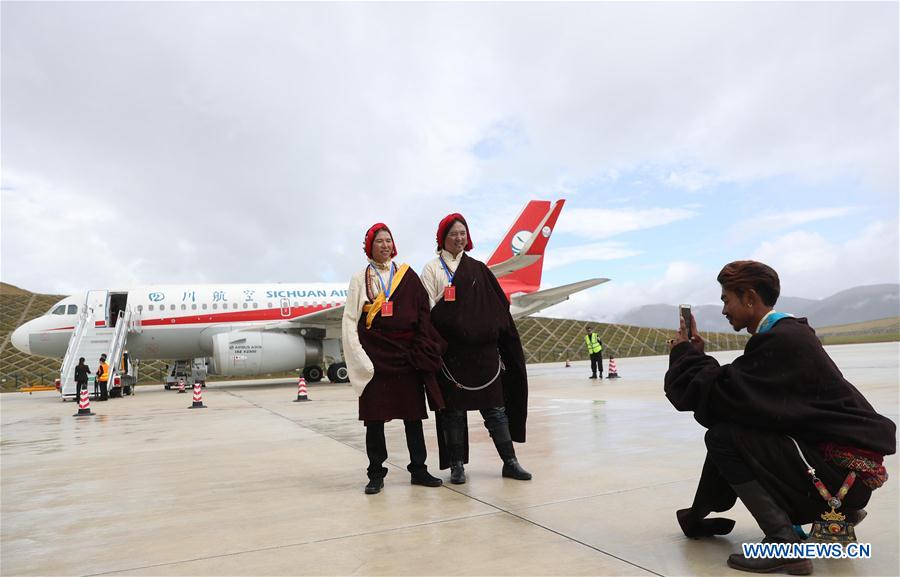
point(786, 432)
point(82, 371)
point(103, 378)
point(595, 350)
point(483, 368)
point(392, 352)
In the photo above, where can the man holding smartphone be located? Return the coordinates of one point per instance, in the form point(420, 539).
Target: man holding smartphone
point(595, 350)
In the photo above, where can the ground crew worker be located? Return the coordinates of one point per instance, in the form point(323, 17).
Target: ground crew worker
point(595, 349)
point(103, 378)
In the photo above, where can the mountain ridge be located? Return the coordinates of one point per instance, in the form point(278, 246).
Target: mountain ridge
point(854, 305)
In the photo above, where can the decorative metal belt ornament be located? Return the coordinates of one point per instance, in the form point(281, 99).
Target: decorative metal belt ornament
point(832, 526)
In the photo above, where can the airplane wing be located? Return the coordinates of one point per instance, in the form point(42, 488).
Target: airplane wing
point(526, 304)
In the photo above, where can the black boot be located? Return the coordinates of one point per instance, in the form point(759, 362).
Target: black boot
point(497, 425)
point(696, 527)
point(777, 527)
point(511, 467)
point(457, 473)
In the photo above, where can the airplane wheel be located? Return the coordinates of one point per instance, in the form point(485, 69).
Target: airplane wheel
point(313, 374)
point(338, 373)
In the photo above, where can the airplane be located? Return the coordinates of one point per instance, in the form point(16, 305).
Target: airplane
point(254, 329)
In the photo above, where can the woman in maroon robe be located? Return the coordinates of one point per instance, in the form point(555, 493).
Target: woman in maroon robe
point(484, 366)
point(392, 352)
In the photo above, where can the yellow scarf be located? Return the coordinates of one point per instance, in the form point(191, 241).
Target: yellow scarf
point(372, 309)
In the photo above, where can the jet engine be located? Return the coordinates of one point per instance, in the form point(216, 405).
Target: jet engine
point(240, 353)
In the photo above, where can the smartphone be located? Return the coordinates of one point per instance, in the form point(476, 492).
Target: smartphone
point(686, 315)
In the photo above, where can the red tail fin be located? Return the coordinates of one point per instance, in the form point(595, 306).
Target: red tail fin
point(537, 214)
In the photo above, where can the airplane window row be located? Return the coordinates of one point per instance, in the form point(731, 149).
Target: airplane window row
point(203, 306)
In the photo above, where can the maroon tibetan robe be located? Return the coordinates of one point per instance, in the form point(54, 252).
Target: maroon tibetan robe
point(405, 350)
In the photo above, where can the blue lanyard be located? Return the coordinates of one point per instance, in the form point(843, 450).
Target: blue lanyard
point(386, 289)
point(446, 270)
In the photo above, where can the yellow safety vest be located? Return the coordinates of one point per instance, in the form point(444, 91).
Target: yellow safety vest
point(105, 376)
point(592, 344)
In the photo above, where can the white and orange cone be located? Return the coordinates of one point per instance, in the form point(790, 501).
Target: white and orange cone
point(301, 391)
point(198, 397)
point(84, 404)
point(181, 386)
point(612, 372)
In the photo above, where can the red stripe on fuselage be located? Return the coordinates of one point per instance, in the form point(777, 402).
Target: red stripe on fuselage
point(241, 316)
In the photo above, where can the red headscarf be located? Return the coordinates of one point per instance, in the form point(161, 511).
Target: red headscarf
point(444, 228)
point(370, 238)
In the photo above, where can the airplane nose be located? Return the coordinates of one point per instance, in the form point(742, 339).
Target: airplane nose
point(19, 339)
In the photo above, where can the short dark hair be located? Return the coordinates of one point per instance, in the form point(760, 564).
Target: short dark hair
point(742, 275)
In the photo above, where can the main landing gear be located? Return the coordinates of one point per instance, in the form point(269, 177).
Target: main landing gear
point(337, 373)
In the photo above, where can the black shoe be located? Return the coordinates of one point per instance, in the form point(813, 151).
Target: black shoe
point(457, 473)
point(514, 470)
point(770, 565)
point(696, 528)
point(592, 377)
point(856, 516)
point(374, 486)
point(425, 479)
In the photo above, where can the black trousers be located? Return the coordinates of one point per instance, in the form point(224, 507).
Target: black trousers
point(737, 454)
point(597, 363)
point(376, 448)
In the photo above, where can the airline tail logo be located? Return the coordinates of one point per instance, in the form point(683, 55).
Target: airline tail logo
point(538, 215)
point(518, 241)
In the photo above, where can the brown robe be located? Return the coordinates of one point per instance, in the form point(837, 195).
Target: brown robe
point(480, 332)
point(405, 350)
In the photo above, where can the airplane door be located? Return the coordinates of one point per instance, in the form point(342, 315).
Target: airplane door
point(96, 306)
point(285, 308)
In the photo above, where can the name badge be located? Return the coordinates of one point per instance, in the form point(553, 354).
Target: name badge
point(387, 309)
point(450, 293)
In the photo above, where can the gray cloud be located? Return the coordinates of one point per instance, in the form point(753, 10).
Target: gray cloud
point(155, 142)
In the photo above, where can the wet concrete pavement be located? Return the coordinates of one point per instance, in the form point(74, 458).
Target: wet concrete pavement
point(259, 485)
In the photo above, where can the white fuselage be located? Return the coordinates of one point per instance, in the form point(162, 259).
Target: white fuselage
point(178, 321)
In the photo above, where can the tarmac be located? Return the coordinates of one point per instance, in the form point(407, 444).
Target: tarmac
point(257, 484)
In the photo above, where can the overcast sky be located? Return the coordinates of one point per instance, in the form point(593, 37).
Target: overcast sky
point(255, 142)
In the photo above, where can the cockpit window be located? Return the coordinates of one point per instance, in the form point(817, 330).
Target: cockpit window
point(60, 310)
point(73, 310)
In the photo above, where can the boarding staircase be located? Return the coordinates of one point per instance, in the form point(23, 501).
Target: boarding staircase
point(90, 341)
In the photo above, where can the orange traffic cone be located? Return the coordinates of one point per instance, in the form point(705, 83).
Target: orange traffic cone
point(612, 373)
point(84, 404)
point(301, 391)
point(198, 397)
point(181, 386)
